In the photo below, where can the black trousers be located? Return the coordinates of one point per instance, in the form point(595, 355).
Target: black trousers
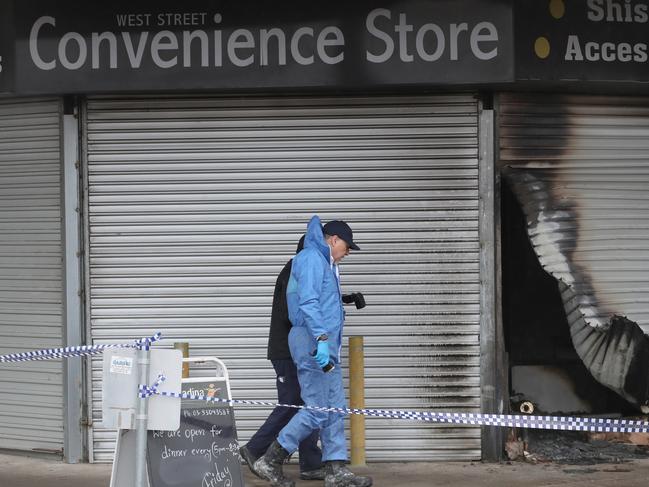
point(288, 392)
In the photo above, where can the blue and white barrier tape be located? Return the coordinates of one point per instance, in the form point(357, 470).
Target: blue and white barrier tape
point(53, 353)
point(568, 423)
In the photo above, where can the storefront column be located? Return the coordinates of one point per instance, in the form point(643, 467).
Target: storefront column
point(489, 336)
point(72, 368)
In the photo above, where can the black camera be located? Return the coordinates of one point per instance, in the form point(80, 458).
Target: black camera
point(357, 298)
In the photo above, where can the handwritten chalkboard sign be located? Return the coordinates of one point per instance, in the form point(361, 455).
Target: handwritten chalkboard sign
point(204, 452)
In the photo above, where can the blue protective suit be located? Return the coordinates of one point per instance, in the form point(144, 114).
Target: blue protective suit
point(315, 307)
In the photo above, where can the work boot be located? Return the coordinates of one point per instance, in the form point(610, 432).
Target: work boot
point(269, 466)
point(338, 475)
point(315, 474)
point(249, 459)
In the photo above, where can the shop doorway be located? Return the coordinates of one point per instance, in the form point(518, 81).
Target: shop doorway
point(544, 368)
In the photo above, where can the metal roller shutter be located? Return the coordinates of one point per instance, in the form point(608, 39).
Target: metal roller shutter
point(590, 153)
point(580, 167)
point(195, 204)
point(31, 282)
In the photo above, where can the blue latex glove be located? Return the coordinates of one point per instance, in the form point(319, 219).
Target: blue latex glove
point(322, 353)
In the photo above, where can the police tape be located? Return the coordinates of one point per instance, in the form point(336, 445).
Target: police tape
point(567, 423)
point(65, 352)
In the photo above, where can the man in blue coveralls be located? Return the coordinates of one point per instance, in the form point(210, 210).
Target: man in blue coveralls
point(288, 388)
point(315, 309)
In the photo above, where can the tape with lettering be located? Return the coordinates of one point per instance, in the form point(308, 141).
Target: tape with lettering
point(568, 423)
point(66, 352)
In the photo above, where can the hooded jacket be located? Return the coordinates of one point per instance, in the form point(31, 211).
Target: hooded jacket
point(313, 294)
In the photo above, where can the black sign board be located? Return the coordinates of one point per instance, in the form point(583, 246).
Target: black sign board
point(89, 47)
point(6, 47)
point(582, 40)
point(204, 452)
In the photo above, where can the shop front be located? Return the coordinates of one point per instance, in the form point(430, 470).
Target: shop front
point(209, 138)
point(179, 153)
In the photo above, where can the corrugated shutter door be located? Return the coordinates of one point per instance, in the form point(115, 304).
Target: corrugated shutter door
point(580, 167)
point(195, 205)
point(31, 286)
point(590, 153)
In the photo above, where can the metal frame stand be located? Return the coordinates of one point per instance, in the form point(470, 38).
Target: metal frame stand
point(141, 422)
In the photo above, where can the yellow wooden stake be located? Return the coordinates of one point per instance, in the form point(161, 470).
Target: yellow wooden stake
point(184, 348)
point(357, 400)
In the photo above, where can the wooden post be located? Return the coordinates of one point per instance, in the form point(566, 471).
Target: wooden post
point(357, 400)
point(184, 348)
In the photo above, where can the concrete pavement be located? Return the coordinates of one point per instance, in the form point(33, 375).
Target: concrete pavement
point(21, 471)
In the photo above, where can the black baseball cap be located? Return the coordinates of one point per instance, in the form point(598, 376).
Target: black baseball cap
point(342, 230)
